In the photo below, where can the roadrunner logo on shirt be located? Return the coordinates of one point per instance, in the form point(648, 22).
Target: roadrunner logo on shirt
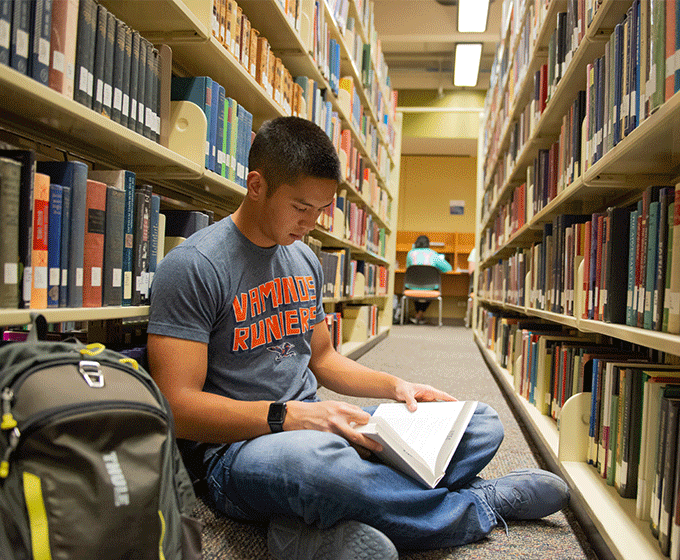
point(285, 350)
point(121, 493)
point(282, 307)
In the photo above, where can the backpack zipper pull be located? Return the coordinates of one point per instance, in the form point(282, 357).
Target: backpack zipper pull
point(14, 436)
point(8, 421)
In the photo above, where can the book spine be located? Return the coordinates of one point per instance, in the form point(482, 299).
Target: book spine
point(41, 29)
point(214, 113)
point(112, 291)
point(141, 86)
point(85, 46)
point(10, 189)
point(65, 245)
point(118, 69)
point(95, 230)
point(41, 203)
point(109, 53)
point(141, 245)
point(54, 245)
point(5, 30)
point(154, 218)
point(127, 70)
point(631, 314)
point(149, 89)
point(21, 36)
point(220, 134)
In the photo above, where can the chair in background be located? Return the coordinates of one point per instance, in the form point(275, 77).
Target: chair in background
point(429, 279)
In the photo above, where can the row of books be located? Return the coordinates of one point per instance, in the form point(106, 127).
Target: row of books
point(636, 74)
point(634, 411)
point(75, 237)
point(230, 125)
point(232, 27)
point(348, 277)
point(83, 51)
point(631, 274)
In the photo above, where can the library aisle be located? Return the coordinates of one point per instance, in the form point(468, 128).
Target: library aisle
point(447, 358)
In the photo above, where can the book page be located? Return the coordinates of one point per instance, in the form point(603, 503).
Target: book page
point(425, 430)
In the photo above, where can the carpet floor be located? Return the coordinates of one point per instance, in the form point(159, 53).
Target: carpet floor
point(446, 358)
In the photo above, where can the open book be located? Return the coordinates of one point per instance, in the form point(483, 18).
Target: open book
point(420, 443)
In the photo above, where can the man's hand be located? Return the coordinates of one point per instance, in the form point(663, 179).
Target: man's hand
point(331, 416)
point(413, 393)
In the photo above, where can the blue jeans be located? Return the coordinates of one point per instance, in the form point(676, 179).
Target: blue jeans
point(319, 477)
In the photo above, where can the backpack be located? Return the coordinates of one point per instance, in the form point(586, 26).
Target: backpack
point(89, 466)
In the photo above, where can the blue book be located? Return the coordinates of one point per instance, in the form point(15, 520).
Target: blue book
point(219, 136)
point(20, 40)
point(41, 30)
point(214, 110)
point(153, 235)
point(198, 90)
point(65, 244)
point(650, 275)
point(74, 175)
point(54, 245)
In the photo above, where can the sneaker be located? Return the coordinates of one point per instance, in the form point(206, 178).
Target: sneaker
point(291, 538)
point(413, 320)
point(524, 494)
point(422, 322)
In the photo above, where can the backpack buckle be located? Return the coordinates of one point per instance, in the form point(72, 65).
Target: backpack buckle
point(91, 373)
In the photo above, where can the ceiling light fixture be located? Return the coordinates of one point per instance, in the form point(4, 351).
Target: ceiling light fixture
point(466, 69)
point(472, 16)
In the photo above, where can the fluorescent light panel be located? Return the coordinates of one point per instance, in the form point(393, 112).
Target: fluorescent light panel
point(466, 70)
point(472, 16)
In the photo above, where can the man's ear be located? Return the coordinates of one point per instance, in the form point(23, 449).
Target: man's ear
point(256, 185)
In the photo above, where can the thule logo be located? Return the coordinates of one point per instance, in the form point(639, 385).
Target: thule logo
point(121, 494)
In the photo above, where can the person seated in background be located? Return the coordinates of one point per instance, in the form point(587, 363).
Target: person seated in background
point(422, 254)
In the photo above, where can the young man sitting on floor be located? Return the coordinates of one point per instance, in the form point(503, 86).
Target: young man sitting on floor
point(238, 343)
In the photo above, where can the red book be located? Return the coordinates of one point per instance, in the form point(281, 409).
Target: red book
point(93, 259)
point(41, 204)
point(598, 267)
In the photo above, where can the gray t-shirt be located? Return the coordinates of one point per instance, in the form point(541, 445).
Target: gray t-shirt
point(255, 307)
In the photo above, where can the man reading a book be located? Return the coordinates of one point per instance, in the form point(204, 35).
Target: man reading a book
point(238, 344)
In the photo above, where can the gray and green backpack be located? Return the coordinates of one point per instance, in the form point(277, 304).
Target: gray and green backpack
point(89, 466)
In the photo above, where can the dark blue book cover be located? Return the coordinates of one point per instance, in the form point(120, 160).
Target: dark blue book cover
point(65, 244)
point(219, 134)
point(54, 245)
point(20, 41)
point(41, 31)
point(74, 175)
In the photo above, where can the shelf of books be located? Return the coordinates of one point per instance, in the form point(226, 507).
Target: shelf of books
point(146, 120)
point(578, 282)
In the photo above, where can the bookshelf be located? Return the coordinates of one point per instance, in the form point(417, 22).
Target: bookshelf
point(33, 116)
point(511, 221)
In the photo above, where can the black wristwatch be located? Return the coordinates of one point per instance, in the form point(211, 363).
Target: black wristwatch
point(276, 416)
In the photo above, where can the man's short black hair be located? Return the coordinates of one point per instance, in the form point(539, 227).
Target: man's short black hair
point(286, 149)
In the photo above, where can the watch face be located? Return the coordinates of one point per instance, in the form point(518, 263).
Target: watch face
point(276, 416)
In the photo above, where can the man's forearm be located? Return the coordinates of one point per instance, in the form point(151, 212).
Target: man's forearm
point(347, 377)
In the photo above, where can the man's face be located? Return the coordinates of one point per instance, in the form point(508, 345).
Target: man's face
point(291, 212)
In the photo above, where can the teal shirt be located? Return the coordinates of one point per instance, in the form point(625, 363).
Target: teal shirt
point(426, 256)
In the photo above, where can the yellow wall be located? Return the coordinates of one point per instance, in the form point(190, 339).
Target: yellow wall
point(427, 184)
